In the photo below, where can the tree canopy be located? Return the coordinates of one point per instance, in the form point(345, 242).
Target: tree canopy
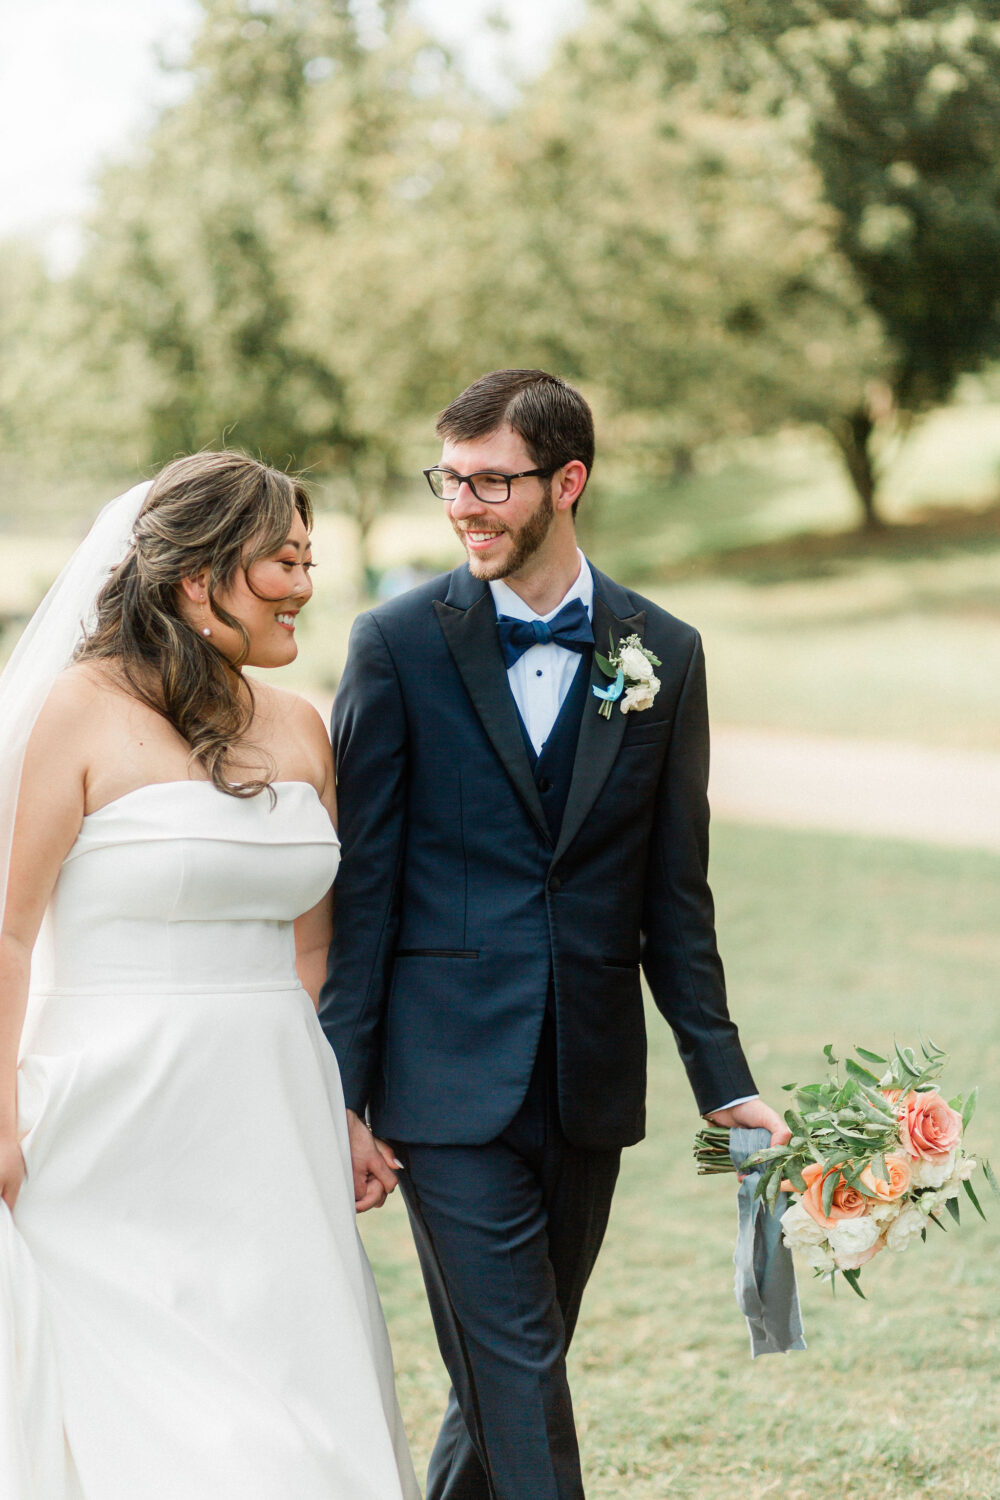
point(719, 216)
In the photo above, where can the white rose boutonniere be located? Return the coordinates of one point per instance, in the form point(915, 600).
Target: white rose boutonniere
point(631, 665)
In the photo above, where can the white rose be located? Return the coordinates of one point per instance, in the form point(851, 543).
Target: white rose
point(800, 1229)
point(884, 1213)
point(636, 664)
point(819, 1257)
point(905, 1228)
point(853, 1237)
point(641, 696)
point(931, 1173)
point(963, 1170)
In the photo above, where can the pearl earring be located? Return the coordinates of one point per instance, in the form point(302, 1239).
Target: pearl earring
point(206, 631)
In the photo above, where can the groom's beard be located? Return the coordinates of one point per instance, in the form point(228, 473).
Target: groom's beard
point(525, 541)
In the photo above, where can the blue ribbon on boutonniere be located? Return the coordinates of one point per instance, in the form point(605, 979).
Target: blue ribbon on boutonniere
point(614, 692)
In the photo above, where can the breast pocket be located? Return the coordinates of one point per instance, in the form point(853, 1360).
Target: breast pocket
point(638, 734)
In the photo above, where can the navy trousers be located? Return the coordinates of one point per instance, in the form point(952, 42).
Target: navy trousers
point(507, 1236)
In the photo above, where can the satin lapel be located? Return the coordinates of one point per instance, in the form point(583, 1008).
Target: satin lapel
point(600, 739)
point(472, 639)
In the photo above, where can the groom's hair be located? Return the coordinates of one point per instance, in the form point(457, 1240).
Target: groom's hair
point(552, 418)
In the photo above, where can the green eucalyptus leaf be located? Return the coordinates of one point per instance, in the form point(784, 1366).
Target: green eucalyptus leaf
point(991, 1177)
point(953, 1209)
point(874, 1057)
point(970, 1193)
point(906, 1061)
point(605, 666)
point(829, 1188)
point(853, 1281)
point(969, 1107)
point(794, 1174)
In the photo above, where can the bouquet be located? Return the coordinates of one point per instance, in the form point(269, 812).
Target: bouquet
point(874, 1158)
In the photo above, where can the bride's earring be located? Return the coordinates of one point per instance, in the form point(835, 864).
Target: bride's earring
point(206, 629)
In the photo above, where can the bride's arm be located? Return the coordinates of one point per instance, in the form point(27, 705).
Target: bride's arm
point(50, 807)
point(314, 929)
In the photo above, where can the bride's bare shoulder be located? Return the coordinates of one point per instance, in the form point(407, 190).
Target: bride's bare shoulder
point(85, 687)
point(74, 707)
point(289, 709)
point(295, 734)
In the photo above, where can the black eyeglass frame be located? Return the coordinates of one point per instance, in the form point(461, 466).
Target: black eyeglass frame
point(468, 478)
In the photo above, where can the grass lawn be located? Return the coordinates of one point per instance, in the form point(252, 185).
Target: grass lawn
point(826, 939)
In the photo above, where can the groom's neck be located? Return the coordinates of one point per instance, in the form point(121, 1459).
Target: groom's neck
point(544, 581)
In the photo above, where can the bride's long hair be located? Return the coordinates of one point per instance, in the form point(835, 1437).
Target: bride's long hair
point(214, 511)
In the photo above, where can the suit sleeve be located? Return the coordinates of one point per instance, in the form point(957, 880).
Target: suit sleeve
point(679, 953)
point(370, 751)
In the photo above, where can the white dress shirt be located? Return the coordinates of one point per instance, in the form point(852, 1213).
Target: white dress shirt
point(541, 678)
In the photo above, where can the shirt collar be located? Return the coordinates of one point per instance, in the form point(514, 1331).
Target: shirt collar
point(513, 606)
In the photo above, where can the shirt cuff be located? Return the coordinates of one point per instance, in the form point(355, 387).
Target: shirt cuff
point(744, 1099)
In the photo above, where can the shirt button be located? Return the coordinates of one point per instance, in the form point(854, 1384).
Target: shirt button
point(539, 672)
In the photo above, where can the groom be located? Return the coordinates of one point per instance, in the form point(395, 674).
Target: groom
point(511, 857)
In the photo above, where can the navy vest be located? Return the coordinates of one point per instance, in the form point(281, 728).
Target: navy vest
point(554, 767)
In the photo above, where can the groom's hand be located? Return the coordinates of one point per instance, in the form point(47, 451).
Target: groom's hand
point(373, 1163)
point(754, 1114)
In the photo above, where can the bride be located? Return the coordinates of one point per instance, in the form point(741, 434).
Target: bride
point(186, 1312)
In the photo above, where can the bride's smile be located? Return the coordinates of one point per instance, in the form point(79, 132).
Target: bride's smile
point(263, 598)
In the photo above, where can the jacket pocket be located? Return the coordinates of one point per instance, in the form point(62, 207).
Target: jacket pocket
point(437, 952)
point(647, 734)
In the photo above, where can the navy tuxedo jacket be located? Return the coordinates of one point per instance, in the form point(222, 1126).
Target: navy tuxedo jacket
point(459, 918)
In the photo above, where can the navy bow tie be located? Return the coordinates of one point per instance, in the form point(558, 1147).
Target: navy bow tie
point(570, 628)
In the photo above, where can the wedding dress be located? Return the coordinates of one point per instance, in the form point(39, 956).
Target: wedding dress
point(188, 1312)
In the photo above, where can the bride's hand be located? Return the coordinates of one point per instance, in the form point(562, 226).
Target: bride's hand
point(11, 1171)
point(373, 1162)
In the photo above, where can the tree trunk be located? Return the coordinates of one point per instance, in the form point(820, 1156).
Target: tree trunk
point(852, 435)
point(364, 518)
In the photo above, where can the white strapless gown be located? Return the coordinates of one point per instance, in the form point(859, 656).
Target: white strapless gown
point(188, 1313)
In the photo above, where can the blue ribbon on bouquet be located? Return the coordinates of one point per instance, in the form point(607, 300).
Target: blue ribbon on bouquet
point(765, 1276)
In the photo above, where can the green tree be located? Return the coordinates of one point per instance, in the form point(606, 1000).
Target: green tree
point(636, 230)
point(901, 104)
point(251, 274)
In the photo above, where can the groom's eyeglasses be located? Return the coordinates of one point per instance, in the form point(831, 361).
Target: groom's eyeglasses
point(489, 486)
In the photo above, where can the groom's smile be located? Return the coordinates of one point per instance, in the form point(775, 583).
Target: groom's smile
point(500, 537)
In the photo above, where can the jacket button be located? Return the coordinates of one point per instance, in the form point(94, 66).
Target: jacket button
point(555, 883)
point(544, 785)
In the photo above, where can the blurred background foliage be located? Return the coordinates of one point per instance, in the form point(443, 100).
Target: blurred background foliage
point(724, 219)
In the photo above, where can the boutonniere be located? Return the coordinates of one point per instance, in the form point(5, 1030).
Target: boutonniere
point(631, 665)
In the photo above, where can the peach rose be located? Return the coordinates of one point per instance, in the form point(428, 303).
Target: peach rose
point(928, 1127)
point(848, 1202)
point(899, 1178)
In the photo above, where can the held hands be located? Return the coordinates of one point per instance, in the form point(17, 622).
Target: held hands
point(754, 1114)
point(373, 1163)
point(11, 1171)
